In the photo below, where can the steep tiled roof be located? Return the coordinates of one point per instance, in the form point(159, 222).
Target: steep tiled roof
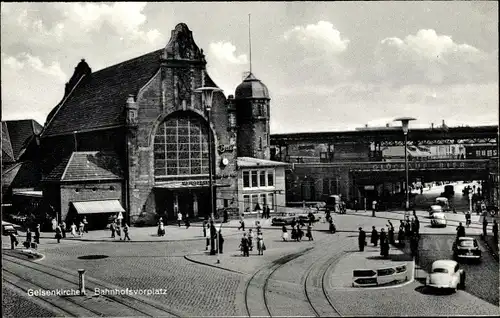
point(56, 174)
point(87, 166)
point(100, 98)
point(7, 152)
point(21, 133)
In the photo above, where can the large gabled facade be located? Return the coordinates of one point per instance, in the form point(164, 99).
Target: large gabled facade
point(145, 114)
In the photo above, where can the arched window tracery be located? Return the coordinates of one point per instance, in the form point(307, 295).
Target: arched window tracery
point(181, 146)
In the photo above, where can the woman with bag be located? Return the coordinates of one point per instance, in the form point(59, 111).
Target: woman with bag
point(284, 235)
point(261, 247)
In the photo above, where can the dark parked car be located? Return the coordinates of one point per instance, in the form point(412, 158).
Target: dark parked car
point(466, 248)
point(282, 220)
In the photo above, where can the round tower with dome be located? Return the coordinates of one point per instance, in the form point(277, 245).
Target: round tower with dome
point(252, 113)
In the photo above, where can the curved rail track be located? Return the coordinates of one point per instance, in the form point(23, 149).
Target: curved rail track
point(133, 303)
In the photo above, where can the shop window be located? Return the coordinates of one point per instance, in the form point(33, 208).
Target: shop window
point(254, 179)
point(246, 179)
point(255, 202)
point(270, 200)
point(262, 179)
point(246, 203)
point(270, 178)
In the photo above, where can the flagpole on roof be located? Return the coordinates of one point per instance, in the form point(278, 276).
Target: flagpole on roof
point(250, 42)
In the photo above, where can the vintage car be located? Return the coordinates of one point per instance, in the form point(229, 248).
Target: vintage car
point(435, 209)
point(8, 228)
point(443, 202)
point(446, 274)
point(282, 220)
point(438, 220)
point(466, 248)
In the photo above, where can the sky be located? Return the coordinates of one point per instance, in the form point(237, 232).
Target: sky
point(329, 66)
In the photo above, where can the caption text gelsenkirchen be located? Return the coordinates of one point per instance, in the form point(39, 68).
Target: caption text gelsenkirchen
point(97, 291)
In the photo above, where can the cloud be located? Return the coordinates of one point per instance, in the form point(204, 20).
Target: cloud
point(26, 60)
point(225, 52)
point(321, 35)
point(428, 57)
point(30, 86)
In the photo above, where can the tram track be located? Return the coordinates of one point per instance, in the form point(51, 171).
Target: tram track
point(139, 306)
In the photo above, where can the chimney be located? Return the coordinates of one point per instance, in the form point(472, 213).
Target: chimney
point(432, 125)
point(443, 123)
point(366, 125)
point(387, 125)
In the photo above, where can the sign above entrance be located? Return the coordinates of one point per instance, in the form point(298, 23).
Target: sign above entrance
point(225, 148)
point(186, 184)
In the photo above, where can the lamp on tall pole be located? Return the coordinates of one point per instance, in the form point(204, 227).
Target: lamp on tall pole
point(404, 121)
point(208, 93)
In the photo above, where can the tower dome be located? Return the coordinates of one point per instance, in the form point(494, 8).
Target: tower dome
point(251, 87)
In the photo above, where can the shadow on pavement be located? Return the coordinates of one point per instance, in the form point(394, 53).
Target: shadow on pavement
point(430, 291)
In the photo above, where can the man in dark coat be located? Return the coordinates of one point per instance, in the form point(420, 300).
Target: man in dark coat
point(460, 230)
point(408, 228)
point(294, 222)
point(383, 239)
point(226, 216)
point(221, 242)
point(401, 234)
point(63, 229)
point(391, 233)
point(245, 248)
point(416, 224)
point(361, 239)
point(485, 225)
point(374, 238)
point(37, 234)
point(414, 245)
point(13, 241)
point(213, 235)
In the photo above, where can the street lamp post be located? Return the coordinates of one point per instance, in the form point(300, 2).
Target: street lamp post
point(208, 93)
point(404, 122)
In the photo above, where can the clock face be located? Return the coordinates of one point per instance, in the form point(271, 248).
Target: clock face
point(225, 161)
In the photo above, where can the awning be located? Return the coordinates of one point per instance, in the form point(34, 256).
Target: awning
point(105, 206)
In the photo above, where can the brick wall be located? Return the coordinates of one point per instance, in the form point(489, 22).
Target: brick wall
point(89, 192)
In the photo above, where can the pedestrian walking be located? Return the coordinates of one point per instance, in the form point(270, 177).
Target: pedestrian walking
point(494, 230)
point(205, 229)
point(85, 224)
point(309, 233)
point(221, 242)
point(485, 226)
point(401, 234)
point(213, 237)
point(58, 234)
point(73, 229)
point(467, 219)
point(242, 223)
point(162, 229)
point(384, 244)
point(408, 228)
point(250, 239)
point(119, 231)
point(284, 233)
point(300, 234)
point(179, 218)
point(414, 246)
point(391, 233)
point(28, 237)
point(294, 233)
point(332, 227)
point(355, 205)
point(37, 234)
point(13, 240)
point(374, 238)
point(261, 247)
point(63, 230)
point(187, 222)
point(125, 232)
point(244, 245)
point(293, 223)
point(112, 228)
point(80, 228)
point(460, 230)
point(225, 215)
point(374, 207)
point(361, 240)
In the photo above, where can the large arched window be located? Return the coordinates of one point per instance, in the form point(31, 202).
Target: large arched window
point(181, 146)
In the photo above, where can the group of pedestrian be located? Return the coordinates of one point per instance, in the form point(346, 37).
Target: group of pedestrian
point(331, 226)
point(116, 230)
point(246, 245)
point(187, 223)
point(266, 212)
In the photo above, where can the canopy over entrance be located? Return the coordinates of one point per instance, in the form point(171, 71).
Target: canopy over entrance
point(104, 206)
